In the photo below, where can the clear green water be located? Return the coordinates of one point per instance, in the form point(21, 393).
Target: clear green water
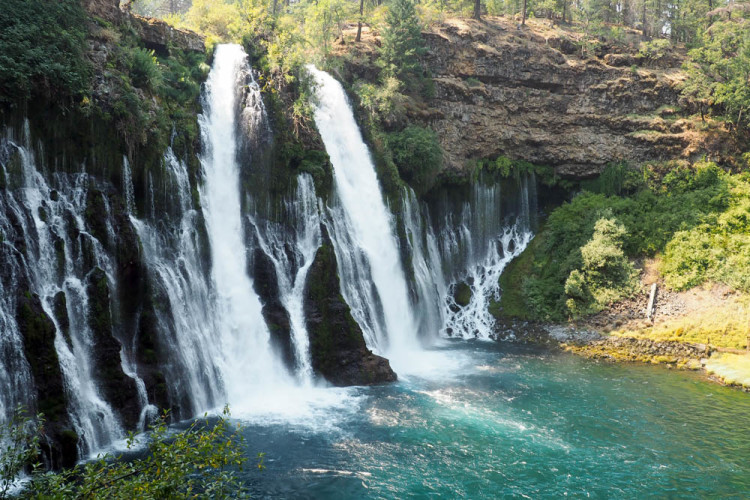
point(509, 421)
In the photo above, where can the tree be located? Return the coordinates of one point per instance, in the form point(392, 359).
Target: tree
point(719, 70)
point(359, 21)
point(402, 41)
point(477, 10)
point(606, 275)
point(197, 462)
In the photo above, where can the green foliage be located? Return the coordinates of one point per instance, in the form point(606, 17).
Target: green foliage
point(402, 42)
point(144, 69)
point(719, 69)
point(695, 216)
point(417, 154)
point(505, 167)
point(19, 444)
point(42, 47)
point(383, 103)
point(199, 462)
point(616, 179)
point(605, 275)
point(655, 49)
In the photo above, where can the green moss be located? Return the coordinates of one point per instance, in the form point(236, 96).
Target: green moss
point(462, 294)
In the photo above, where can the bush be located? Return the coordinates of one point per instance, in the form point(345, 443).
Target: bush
point(605, 276)
point(697, 217)
point(144, 69)
point(418, 156)
point(42, 47)
point(197, 462)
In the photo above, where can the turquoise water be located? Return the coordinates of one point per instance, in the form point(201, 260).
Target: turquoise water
point(510, 421)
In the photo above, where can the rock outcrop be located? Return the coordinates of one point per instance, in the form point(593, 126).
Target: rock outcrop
point(156, 34)
point(38, 333)
point(530, 94)
point(337, 346)
point(266, 284)
point(159, 36)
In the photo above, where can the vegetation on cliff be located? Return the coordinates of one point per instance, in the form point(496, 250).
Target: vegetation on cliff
point(693, 217)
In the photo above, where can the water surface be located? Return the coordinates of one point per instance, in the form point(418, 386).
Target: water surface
point(509, 421)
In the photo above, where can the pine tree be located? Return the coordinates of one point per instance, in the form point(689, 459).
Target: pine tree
point(402, 41)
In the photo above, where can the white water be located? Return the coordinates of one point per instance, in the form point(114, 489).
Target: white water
point(58, 253)
point(172, 253)
point(301, 211)
point(477, 244)
point(369, 228)
point(247, 362)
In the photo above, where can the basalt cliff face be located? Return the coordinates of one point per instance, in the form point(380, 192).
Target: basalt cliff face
point(534, 94)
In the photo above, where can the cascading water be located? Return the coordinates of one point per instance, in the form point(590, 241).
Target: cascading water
point(292, 266)
point(50, 252)
point(173, 254)
point(477, 242)
point(372, 276)
point(243, 335)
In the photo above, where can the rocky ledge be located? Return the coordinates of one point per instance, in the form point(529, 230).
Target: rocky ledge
point(155, 33)
point(535, 94)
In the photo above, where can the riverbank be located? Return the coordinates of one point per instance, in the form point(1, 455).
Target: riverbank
point(704, 329)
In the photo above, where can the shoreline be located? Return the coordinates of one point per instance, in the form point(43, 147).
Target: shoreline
point(728, 367)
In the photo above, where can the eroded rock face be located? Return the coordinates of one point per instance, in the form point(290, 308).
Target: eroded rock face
point(38, 333)
point(530, 94)
point(156, 34)
point(337, 346)
point(106, 9)
point(118, 388)
point(159, 36)
point(266, 284)
point(531, 101)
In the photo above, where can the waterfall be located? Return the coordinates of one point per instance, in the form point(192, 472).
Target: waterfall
point(48, 250)
point(242, 332)
point(478, 238)
point(363, 229)
point(292, 250)
point(173, 254)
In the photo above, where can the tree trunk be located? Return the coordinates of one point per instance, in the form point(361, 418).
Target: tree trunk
point(477, 10)
point(359, 22)
point(523, 19)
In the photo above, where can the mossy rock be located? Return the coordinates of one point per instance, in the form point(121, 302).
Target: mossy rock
point(462, 294)
point(337, 346)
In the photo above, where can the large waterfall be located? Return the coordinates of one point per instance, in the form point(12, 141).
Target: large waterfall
point(367, 226)
point(243, 334)
point(206, 248)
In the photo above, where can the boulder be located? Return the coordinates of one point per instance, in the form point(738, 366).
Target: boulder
point(337, 345)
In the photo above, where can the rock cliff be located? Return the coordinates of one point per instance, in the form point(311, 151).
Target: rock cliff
point(530, 94)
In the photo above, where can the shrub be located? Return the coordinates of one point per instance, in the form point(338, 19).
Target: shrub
point(197, 462)
point(42, 49)
point(417, 154)
point(605, 276)
point(144, 69)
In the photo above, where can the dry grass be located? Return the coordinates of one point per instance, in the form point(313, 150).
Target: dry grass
point(720, 322)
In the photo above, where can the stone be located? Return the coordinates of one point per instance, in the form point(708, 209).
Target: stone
point(337, 345)
point(266, 284)
point(159, 36)
point(118, 389)
point(38, 334)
